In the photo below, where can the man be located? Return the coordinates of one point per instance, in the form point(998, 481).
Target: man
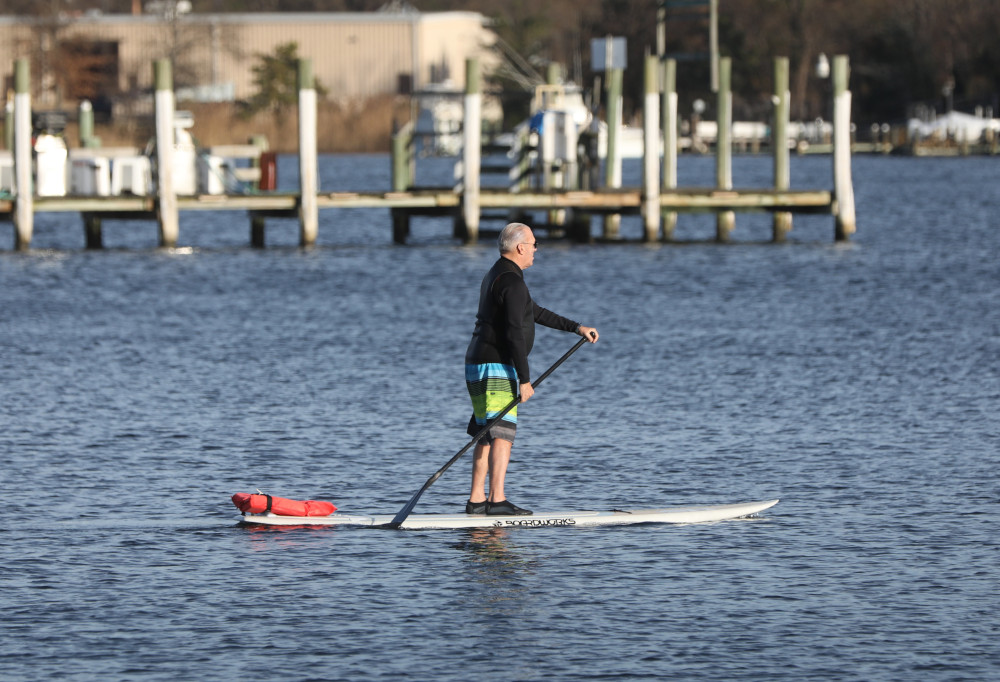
point(496, 364)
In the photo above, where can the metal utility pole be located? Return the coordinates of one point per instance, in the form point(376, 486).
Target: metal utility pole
point(691, 9)
point(713, 41)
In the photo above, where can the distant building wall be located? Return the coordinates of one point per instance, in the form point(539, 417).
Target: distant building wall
point(354, 55)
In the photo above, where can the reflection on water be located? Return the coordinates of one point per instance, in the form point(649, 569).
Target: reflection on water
point(499, 567)
point(270, 538)
point(486, 544)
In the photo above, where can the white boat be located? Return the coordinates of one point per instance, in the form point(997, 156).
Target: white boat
point(615, 517)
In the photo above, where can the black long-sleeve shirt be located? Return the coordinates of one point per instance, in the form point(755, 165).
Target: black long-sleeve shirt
point(505, 321)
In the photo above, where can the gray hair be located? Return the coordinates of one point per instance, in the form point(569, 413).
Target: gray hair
point(511, 236)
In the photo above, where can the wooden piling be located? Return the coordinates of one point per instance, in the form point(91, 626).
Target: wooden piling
point(613, 159)
point(257, 231)
point(92, 228)
point(166, 194)
point(779, 144)
point(725, 221)
point(651, 150)
point(668, 219)
point(92, 231)
point(258, 164)
point(24, 209)
point(580, 229)
point(471, 152)
point(308, 157)
point(85, 123)
point(257, 220)
point(402, 179)
point(402, 143)
point(843, 187)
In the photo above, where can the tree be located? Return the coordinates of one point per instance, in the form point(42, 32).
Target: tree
point(276, 79)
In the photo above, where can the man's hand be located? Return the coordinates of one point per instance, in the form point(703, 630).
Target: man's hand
point(526, 391)
point(588, 333)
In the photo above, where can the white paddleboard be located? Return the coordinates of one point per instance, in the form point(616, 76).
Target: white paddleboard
point(617, 517)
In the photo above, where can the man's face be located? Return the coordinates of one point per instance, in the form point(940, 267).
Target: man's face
point(528, 247)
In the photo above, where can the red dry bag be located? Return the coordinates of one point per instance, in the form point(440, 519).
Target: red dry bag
point(261, 504)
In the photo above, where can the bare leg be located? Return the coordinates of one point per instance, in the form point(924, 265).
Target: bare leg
point(480, 466)
point(499, 457)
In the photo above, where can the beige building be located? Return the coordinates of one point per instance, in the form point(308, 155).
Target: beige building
point(354, 55)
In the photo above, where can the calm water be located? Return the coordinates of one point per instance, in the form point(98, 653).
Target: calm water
point(140, 388)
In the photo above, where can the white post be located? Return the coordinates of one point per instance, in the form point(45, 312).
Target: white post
point(651, 150)
point(843, 186)
point(669, 218)
point(308, 183)
point(782, 221)
point(24, 208)
point(164, 115)
point(472, 149)
point(615, 157)
point(613, 160)
point(725, 221)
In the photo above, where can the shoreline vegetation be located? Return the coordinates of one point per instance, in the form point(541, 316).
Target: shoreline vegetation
point(358, 126)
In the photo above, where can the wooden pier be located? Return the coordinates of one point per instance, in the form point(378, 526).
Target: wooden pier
point(658, 201)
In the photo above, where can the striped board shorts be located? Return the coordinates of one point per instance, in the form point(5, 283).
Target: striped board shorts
point(492, 387)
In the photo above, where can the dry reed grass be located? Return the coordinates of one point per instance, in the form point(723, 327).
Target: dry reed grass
point(342, 126)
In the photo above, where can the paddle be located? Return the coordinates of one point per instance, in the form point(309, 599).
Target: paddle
point(408, 507)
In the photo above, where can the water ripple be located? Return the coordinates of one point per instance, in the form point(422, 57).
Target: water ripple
point(141, 388)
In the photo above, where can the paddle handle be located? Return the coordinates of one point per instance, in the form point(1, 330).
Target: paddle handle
point(550, 370)
point(408, 507)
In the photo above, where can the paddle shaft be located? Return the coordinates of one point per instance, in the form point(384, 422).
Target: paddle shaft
point(408, 507)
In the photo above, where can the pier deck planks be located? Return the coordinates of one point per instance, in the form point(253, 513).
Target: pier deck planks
point(623, 200)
